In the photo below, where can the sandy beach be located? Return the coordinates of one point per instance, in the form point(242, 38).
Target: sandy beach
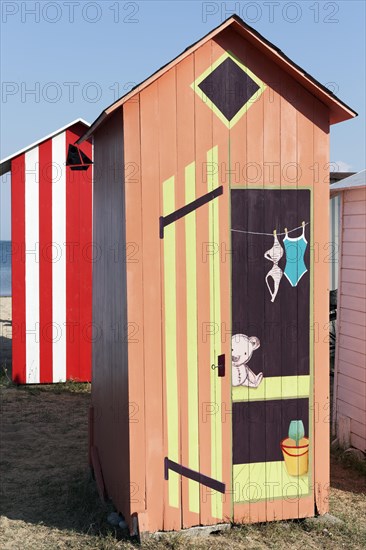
point(5, 332)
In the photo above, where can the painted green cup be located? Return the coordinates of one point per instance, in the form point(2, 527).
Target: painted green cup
point(296, 430)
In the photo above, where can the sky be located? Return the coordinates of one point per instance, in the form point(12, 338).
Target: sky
point(61, 60)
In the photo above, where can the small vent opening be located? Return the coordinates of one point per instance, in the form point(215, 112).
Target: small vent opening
point(76, 159)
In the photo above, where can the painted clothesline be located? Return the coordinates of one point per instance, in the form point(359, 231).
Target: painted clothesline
point(270, 234)
point(294, 270)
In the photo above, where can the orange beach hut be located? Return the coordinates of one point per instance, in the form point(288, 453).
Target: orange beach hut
point(210, 397)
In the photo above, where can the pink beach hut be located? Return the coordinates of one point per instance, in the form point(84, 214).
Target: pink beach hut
point(349, 404)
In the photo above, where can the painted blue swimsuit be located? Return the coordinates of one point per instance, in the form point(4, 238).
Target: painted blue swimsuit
point(295, 251)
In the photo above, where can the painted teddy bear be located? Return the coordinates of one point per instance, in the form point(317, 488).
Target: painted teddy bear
point(242, 350)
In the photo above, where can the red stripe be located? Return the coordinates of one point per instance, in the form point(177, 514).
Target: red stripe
point(18, 269)
point(86, 233)
point(72, 268)
point(45, 260)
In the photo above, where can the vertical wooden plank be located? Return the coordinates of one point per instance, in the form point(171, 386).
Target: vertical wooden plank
point(288, 143)
point(135, 306)
point(272, 178)
point(84, 180)
point(191, 516)
point(203, 142)
point(18, 268)
point(187, 290)
point(59, 208)
point(238, 159)
point(73, 256)
point(172, 444)
point(237, 177)
point(45, 260)
point(254, 177)
point(222, 256)
point(32, 265)
point(152, 277)
point(305, 160)
point(86, 239)
point(215, 319)
point(247, 168)
point(321, 308)
point(172, 274)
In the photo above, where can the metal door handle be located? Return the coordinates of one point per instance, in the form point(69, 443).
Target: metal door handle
point(220, 365)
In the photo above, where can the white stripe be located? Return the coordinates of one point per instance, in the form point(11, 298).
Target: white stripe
point(59, 256)
point(32, 265)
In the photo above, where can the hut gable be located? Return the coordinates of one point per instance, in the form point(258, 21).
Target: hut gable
point(339, 111)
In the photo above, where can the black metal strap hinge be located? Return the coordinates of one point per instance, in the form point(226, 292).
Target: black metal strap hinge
point(192, 474)
point(187, 209)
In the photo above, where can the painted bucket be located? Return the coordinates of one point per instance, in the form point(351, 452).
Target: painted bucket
point(296, 457)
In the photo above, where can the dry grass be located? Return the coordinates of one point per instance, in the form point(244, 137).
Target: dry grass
point(49, 502)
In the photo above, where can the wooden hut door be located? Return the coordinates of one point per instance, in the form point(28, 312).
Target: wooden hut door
point(271, 353)
point(197, 352)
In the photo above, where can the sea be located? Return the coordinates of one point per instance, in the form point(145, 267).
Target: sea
point(5, 268)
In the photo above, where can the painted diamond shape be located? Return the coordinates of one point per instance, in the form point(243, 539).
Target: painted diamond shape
point(229, 88)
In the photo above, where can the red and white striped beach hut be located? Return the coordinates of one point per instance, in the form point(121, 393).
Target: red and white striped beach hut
point(51, 230)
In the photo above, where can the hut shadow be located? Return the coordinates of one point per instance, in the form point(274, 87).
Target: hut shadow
point(44, 461)
point(5, 352)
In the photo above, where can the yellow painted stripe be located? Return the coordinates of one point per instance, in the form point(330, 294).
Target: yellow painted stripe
point(215, 318)
point(170, 305)
point(192, 338)
point(276, 387)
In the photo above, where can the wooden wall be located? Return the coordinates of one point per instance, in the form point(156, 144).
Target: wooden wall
point(350, 363)
point(51, 263)
point(171, 136)
point(110, 330)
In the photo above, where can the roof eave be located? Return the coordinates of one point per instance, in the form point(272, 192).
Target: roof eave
point(5, 164)
point(356, 181)
point(335, 191)
point(188, 51)
point(88, 134)
point(338, 110)
point(5, 167)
